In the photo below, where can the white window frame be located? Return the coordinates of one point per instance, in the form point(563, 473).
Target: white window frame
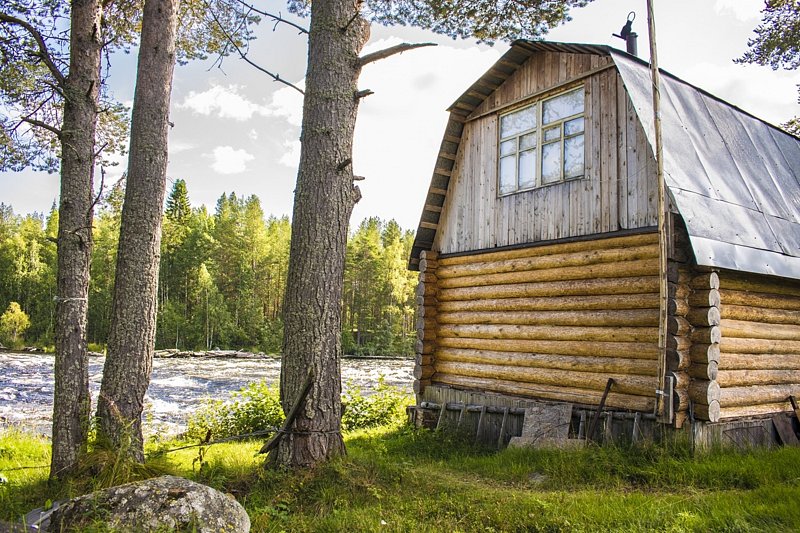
point(539, 129)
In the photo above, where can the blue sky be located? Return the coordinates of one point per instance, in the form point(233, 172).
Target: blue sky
point(236, 130)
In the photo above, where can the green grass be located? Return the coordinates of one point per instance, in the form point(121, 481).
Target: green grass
point(398, 479)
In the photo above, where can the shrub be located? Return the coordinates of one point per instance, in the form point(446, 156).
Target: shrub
point(257, 407)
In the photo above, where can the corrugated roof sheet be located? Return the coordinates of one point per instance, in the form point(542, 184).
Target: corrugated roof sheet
point(734, 178)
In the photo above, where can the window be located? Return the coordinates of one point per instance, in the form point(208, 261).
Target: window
point(542, 143)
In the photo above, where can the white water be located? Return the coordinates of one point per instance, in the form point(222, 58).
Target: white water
point(177, 386)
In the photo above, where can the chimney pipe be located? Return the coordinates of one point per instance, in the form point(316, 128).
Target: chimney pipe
point(630, 44)
point(628, 35)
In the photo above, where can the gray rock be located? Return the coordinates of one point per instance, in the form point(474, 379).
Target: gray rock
point(158, 504)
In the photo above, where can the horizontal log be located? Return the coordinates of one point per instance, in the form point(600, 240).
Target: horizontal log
point(741, 378)
point(679, 291)
point(616, 302)
point(710, 412)
point(759, 284)
point(424, 322)
point(585, 258)
point(759, 330)
point(705, 280)
point(427, 277)
point(625, 384)
point(680, 344)
point(533, 251)
point(734, 345)
point(549, 392)
point(622, 269)
point(677, 307)
point(755, 410)
point(704, 392)
point(429, 254)
point(621, 365)
point(705, 298)
point(423, 372)
point(426, 334)
point(760, 314)
point(749, 361)
point(706, 335)
point(426, 289)
point(704, 353)
point(428, 265)
point(760, 299)
point(757, 394)
point(678, 360)
point(625, 317)
point(427, 301)
point(703, 316)
point(423, 360)
point(583, 287)
point(427, 311)
point(549, 333)
point(420, 385)
point(704, 372)
point(634, 350)
point(679, 326)
point(424, 347)
point(680, 400)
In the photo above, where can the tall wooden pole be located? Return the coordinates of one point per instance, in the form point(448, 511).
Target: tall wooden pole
point(663, 236)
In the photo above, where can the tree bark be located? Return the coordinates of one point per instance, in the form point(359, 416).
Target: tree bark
point(133, 322)
point(324, 199)
point(71, 402)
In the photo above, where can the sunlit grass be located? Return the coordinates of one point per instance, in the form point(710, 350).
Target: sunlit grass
point(399, 479)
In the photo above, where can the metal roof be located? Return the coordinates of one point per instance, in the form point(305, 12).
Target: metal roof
point(734, 178)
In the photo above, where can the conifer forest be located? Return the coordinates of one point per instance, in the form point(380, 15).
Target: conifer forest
point(221, 281)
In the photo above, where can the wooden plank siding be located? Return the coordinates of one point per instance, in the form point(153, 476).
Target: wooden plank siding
point(617, 192)
point(551, 321)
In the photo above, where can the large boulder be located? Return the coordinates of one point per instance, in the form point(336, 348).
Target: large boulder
point(165, 503)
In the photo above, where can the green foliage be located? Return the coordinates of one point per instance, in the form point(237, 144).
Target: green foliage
point(485, 20)
point(385, 406)
point(13, 324)
point(257, 407)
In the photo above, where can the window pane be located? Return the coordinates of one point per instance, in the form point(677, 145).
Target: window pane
point(522, 120)
point(552, 134)
point(527, 141)
point(566, 105)
point(527, 169)
point(551, 163)
point(508, 182)
point(573, 157)
point(508, 147)
point(573, 126)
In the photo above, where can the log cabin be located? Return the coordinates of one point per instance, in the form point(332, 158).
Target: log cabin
point(538, 250)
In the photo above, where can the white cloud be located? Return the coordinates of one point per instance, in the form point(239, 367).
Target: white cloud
point(228, 160)
point(744, 10)
point(224, 102)
point(291, 155)
point(176, 147)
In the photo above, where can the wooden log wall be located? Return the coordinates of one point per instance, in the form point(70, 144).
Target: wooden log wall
point(550, 322)
point(426, 321)
point(759, 363)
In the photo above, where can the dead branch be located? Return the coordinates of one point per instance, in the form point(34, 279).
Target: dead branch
point(44, 53)
point(43, 125)
point(277, 18)
point(363, 93)
point(243, 55)
point(388, 52)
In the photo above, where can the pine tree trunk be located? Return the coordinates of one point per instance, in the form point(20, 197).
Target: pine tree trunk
point(324, 200)
point(126, 374)
point(71, 402)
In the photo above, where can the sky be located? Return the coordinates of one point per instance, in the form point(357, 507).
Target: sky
point(235, 130)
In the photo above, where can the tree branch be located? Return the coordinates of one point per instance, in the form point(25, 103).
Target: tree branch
point(243, 55)
point(44, 53)
point(388, 52)
point(43, 125)
point(277, 18)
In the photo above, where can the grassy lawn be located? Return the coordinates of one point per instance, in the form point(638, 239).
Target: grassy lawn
point(398, 479)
